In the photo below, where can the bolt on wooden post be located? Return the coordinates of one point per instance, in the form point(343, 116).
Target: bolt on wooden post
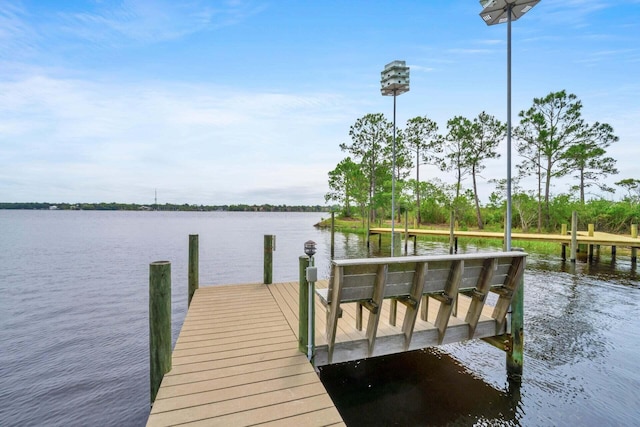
point(159, 323)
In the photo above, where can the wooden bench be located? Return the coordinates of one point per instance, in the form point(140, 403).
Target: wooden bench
point(412, 280)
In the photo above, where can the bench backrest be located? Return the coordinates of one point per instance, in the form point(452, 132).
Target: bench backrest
point(358, 276)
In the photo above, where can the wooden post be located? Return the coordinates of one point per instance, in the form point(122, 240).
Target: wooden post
point(451, 233)
point(303, 305)
point(368, 229)
point(634, 234)
point(563, 232)
point(515, 353)
point(269, 247)
point(574, 236)
point(590, 231)
point(406, 232)
point(333, 233)
point(194, 265)
point(159, 323)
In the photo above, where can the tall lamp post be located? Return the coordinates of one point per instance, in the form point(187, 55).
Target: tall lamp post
point(498, 12)
point(394, 81)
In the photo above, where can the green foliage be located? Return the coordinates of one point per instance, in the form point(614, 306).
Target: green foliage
point(552, 139)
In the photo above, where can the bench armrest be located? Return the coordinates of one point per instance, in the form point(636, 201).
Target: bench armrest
point(323, 293)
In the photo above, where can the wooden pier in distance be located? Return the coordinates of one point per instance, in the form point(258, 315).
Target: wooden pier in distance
point(590, 238)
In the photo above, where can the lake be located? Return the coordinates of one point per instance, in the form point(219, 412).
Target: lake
point(74, 325)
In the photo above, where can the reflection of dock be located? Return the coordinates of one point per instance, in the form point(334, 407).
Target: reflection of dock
point(593, 238)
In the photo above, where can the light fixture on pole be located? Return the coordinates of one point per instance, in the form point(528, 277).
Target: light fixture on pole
point(394, 81)
point(498, 12)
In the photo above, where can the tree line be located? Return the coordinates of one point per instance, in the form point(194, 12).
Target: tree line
point(113, 206)
point(552, 140)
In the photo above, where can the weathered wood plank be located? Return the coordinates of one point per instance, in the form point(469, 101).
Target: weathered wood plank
point(284, 361)
point(480, 294)
point(235, 391)
point(230, 378)
point(374, 316)
point(411, 313)
point(450, 293)
point(241, 409)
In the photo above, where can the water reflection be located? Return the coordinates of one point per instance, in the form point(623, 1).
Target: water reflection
point(424, 387)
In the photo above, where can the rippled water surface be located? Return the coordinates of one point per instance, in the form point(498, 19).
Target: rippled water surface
point(74, 326)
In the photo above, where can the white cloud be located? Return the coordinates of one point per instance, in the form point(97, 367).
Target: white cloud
point(68, 133)
point(154, 21)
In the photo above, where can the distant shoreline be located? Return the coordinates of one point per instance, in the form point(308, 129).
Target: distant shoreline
point(186, 207)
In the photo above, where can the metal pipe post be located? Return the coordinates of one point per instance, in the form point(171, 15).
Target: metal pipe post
point(508, 222)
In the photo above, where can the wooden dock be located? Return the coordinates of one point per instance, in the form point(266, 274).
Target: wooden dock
point(598, 238)
point(593, 238)
point(236, 362)
point(240, 357)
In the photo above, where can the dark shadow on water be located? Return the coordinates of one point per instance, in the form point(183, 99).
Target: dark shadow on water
point(418, 388)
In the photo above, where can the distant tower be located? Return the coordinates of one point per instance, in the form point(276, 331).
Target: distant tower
point(155, 202)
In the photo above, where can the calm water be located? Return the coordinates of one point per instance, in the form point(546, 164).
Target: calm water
point(74, 328)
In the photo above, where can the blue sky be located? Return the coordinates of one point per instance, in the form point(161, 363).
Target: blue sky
point(215, 102)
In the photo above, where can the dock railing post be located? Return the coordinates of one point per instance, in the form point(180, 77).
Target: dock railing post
point(194, 265)
point(159, 323)
point(574, 236)
point(515, 352)
point(269, 247)
point(303, 305)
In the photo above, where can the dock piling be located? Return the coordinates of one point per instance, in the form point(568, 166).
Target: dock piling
point(194, 265)
point(634, 250)
point(515, 353)
point(333, 233)
point(451, 231)
point(574, 236)
point(590, 232)
point(159, 323)
point(406, 232)
point(269, 247)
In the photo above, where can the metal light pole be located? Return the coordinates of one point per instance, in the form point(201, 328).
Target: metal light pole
point(497, 12)
point(394, 80)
